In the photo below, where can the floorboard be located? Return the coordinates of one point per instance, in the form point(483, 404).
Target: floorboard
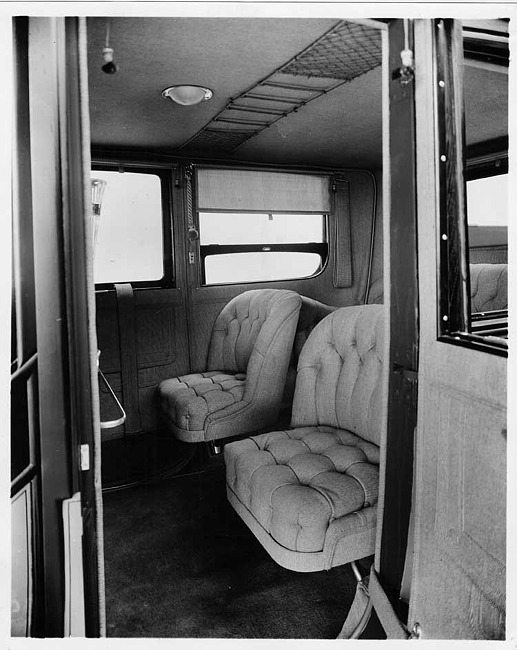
point(181, 563)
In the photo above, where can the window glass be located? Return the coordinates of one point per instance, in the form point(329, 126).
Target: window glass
point(487, 201)
point(260, 228)
point(129, 245)
point(260, 246)
point(250, 267)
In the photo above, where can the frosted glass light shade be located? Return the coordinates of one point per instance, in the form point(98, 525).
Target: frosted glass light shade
point(187, 95)
point(98, 187)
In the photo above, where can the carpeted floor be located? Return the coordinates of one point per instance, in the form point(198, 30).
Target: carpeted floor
point(181, 563)
point(135, 459)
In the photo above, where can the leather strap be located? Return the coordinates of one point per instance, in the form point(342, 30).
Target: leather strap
point(128, 360)
point(343, 276)
point(386, 614)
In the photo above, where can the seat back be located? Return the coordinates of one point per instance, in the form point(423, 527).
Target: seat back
point(249, 324)
point(340, 380)
point(311, 313)
point(488, 287)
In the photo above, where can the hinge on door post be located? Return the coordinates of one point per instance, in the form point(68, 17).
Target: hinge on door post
point(407, 373)
point(416, 632)
point(406, 72)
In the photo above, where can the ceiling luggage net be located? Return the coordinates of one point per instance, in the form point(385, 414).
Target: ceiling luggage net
point(347, 51)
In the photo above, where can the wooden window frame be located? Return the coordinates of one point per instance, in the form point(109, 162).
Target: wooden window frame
point(454, 318)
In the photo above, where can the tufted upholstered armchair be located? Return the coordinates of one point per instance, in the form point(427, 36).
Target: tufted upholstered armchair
point(488, 287)
point(241, 390)
point(309, 494)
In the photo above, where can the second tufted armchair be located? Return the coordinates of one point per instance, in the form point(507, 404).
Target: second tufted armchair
point(309, 493)
point(241, 390)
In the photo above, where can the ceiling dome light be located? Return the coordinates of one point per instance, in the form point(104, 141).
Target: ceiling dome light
point(187, 95)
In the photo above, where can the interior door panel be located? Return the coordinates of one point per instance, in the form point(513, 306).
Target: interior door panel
point(458, 585)
point(162, 349)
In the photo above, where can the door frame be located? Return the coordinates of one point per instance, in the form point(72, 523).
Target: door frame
point(67, 417)
point(404, 318)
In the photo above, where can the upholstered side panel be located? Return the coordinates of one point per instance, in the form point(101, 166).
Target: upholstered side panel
point(376, 293)
point(250, 319)
point(162, 350)
point(339, 381)
point(488, 287)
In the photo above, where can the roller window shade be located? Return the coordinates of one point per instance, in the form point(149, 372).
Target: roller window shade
point(265, 191)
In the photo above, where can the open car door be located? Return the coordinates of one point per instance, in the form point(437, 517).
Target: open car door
point(458, 577)
point(441, 542)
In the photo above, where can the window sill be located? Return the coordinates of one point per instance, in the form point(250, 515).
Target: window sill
point(491, 344)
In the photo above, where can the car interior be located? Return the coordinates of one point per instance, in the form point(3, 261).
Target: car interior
point(240, 200)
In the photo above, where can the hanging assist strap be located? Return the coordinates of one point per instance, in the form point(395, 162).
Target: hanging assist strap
point(369, 596)
point(343, 276)
point(128, 359)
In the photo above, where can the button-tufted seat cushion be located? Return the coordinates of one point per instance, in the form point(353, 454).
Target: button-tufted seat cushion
point(191, 398)
point(488, 287)
point(248, 356)
point(309, 494)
